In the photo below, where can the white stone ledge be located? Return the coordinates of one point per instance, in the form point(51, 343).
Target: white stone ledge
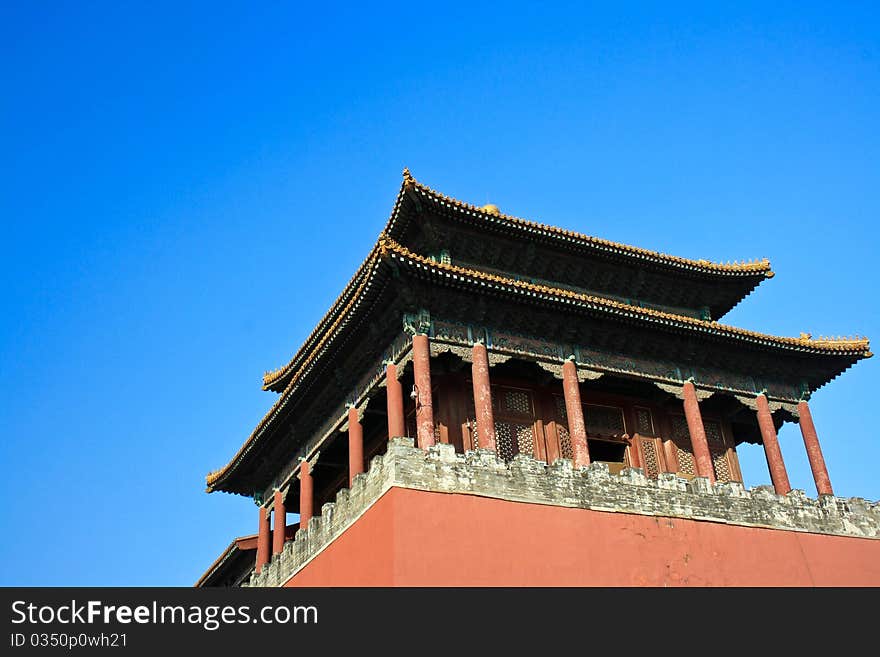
point(482, 473)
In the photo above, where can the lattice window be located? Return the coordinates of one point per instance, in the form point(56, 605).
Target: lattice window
point(644, 422)
point(472, 420)
point(604, 420)
point(565, 450)
point(513, 428)
point(650, 459)
point(525, 439)
point(512, 439)
point(505, 440)
point(560, 408)
point(718, 450)
point(517, 401)
point(473, 428)
point(682, 439)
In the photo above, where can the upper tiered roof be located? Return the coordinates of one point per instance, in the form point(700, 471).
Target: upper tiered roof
point(489, 216)
point(426, 221)
point(413, 201)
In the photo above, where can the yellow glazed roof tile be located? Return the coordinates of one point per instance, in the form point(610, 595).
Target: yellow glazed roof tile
point(386, 248)
point(758, 266)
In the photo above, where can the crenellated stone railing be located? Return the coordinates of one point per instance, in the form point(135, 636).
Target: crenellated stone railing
point(440, 469)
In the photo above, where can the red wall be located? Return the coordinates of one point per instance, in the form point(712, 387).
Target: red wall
point(415, 538)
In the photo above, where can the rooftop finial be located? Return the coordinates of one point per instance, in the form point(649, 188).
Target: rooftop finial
point(491, 208)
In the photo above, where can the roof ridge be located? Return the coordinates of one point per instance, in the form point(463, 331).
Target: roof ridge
point(756, 265)
point(216, 474)
point(272, 376)
point(386, 246)
point(805, 339)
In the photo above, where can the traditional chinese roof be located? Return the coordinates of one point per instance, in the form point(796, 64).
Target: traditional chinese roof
point(491, 214)
point(236, 561)
point(486, 238)
point(388, 255)
point(412, 199)
point(856, 346)
point(230, 561)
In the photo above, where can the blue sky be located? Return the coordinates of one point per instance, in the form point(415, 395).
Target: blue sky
point(187, 187)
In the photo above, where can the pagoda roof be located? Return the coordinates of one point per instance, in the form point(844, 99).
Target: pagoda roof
point(490, 214)
point(242, 546)
point(804, 342)
point(387, 253)
point(752, 272)
point(238, 545)
point(713, 287)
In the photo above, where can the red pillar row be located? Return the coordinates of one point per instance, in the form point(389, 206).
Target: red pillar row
point(814, 452)
point(263, 539)
point(577, 428)
point(355, 445)
point(771, 447)
point(483, 398)
point(424, 404)
point(634, 450)
point(396, 425)
point(280, 523)
point(306, 493)
point(699, 444)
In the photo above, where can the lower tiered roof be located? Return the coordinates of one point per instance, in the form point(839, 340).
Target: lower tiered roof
point(387, 257)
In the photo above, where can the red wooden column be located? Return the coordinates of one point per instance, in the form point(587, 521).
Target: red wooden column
point(577, 428)
point(702, 457)
point(771, 447)
point(814, 452)
point(263, 539)
point(396, 425)
point(634, 448)
point(483, 398)
point(306, 494)
point(424, 405)
point(355, 445)
point(280, 523)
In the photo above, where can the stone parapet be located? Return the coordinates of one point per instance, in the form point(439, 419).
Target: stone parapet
point(439, 469)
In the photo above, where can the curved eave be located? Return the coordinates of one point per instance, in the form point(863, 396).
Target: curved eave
point(387, 249)
point(220, 561)
point(751, 274)
point(756, 269)
point(278, 379)
point(859, 347)
point(215, 479)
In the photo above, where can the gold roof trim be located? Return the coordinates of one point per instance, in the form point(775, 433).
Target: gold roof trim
point(279, 402)
point(857, 343)
point(272, 376)
point(758, 265)
point(386, 247)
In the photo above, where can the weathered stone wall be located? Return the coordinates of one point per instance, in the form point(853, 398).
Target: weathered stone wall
point(482, 473)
